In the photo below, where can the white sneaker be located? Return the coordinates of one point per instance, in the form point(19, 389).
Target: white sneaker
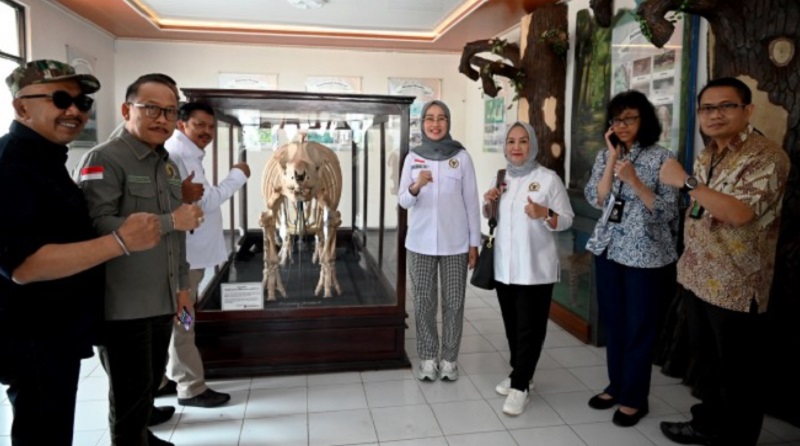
point(448, 370)
point(515, 402)
point(505, 386)
point(427, 370)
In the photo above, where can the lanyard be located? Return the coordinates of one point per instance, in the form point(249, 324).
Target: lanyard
point(712, 165)
point(633, 161)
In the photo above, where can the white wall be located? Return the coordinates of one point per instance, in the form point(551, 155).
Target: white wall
point(50, 29)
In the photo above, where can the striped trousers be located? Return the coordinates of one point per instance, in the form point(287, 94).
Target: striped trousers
point(424, 271)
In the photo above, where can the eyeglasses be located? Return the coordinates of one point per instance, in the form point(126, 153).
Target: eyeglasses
point(62, 100)
point(725, 108)
point(154, 111)
point(436, 119)
point(623, 122)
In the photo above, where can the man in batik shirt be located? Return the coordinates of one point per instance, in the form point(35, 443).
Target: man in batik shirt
point(726, 269)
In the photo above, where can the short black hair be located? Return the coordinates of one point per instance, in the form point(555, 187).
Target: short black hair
point(159, 78)
point(649, 126)
point(188, 108)
point(741, 88)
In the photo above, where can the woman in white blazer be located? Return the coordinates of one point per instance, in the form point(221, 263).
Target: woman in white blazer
point(533, 204)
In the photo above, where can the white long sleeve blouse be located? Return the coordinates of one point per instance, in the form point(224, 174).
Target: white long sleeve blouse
point(445, 216)
point(525, 250)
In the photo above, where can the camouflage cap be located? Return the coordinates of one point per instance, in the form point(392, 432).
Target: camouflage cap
point(44, 71)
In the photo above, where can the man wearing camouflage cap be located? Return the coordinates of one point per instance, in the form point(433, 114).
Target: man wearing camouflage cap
point(51, 278)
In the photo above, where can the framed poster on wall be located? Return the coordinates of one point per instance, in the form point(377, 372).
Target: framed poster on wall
point(424, 91)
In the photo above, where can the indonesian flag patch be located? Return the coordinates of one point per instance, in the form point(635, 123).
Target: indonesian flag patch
point(92, 173)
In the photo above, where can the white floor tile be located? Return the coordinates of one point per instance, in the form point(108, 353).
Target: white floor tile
point(475, 344)
point(501, 438)
point(91, 415)
point(678, 396)
point(387, 375)
point(6, 441)
point(575, 357)
point(573, 407)
point(482, 314)
point(93, 388)
point(556, 380)
point(287, 430)
point(550, 436)
point(87, 438)
point(326, 379)
point(218, 433)
point(493, 326)
point(465, 417)
point(560, 338)
point(337, 397)
point(341, 428)
point(490, 362)
point(279, 382)
point(595, 378)
point(440, 391)
point(405, 423)
point(275, 402)
point(608, 434)
point(436, 441)
point(393, 393)
point(782, 429)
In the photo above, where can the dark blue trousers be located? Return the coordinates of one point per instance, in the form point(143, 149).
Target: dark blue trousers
point(629, 301)
point(42, 379)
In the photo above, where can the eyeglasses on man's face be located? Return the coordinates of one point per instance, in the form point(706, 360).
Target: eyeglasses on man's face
point(725, 108)
point(63, 100)
point(154, 111)
point(623, 122)
point(435, 119)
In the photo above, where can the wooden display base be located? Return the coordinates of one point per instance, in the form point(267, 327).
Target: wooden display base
point(570, 322)
point(303, 339)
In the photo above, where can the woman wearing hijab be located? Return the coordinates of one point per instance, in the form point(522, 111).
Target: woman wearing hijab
point(438, 186)
point(533, 204)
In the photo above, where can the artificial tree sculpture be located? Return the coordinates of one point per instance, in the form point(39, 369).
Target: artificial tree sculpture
point(538, 73)
point(758, 39)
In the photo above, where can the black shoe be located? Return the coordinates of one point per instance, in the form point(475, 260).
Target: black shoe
point(596, 402)
point(209, 398)
point(622, 419)
point(684, 433)
point(160, 414)
point(171, 388)
point(152, 440)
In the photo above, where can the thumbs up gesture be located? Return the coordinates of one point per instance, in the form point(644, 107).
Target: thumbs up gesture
point(191, 191)
point(535, 211)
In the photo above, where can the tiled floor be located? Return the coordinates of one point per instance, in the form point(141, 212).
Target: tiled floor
point(393, 408)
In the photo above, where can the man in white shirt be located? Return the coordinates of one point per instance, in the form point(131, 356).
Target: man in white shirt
point(205, 246)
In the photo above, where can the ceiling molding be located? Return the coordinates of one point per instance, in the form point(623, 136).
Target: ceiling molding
point(178, 25)
point(468, 21)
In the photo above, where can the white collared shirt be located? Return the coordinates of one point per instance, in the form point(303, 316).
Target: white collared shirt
point(445, 216)
point(205, 246)
point(525, 250)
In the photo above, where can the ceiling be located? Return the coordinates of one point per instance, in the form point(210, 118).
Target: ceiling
point(415, 25)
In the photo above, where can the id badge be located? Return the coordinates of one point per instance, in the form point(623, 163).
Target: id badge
point(616, 211)
point(697, 211)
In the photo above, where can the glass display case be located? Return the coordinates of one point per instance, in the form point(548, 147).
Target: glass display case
point(243, 329)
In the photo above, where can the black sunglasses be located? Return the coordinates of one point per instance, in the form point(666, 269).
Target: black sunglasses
point(62, 100)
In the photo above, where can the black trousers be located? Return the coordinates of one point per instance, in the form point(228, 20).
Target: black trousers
point(525, 310)
point(732, 405)
point(134, 355)
point(42, 380)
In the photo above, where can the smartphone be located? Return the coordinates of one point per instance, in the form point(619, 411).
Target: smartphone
point(186, 318)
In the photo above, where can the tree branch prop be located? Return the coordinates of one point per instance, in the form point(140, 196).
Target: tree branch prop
point(487, 69)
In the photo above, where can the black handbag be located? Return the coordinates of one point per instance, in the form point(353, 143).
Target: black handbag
point(483, 274)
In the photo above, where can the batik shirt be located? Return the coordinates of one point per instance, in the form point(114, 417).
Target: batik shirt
point(730, 266)
point(644, 238)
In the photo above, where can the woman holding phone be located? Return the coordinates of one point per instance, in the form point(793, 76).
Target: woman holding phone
point(634, 244)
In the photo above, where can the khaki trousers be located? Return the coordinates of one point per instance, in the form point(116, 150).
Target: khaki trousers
point(185, 366)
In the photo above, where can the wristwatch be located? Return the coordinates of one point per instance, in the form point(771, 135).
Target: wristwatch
point(689, 184)
point(550, 215)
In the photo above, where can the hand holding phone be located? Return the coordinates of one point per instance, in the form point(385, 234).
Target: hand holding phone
point(185, 318)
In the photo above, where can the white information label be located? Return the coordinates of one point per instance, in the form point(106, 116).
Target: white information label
point(242, 296)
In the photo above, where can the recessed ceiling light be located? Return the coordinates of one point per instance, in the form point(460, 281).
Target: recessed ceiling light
point(306, 4)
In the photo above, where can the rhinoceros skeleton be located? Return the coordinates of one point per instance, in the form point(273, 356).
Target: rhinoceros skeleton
point(302, 184)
